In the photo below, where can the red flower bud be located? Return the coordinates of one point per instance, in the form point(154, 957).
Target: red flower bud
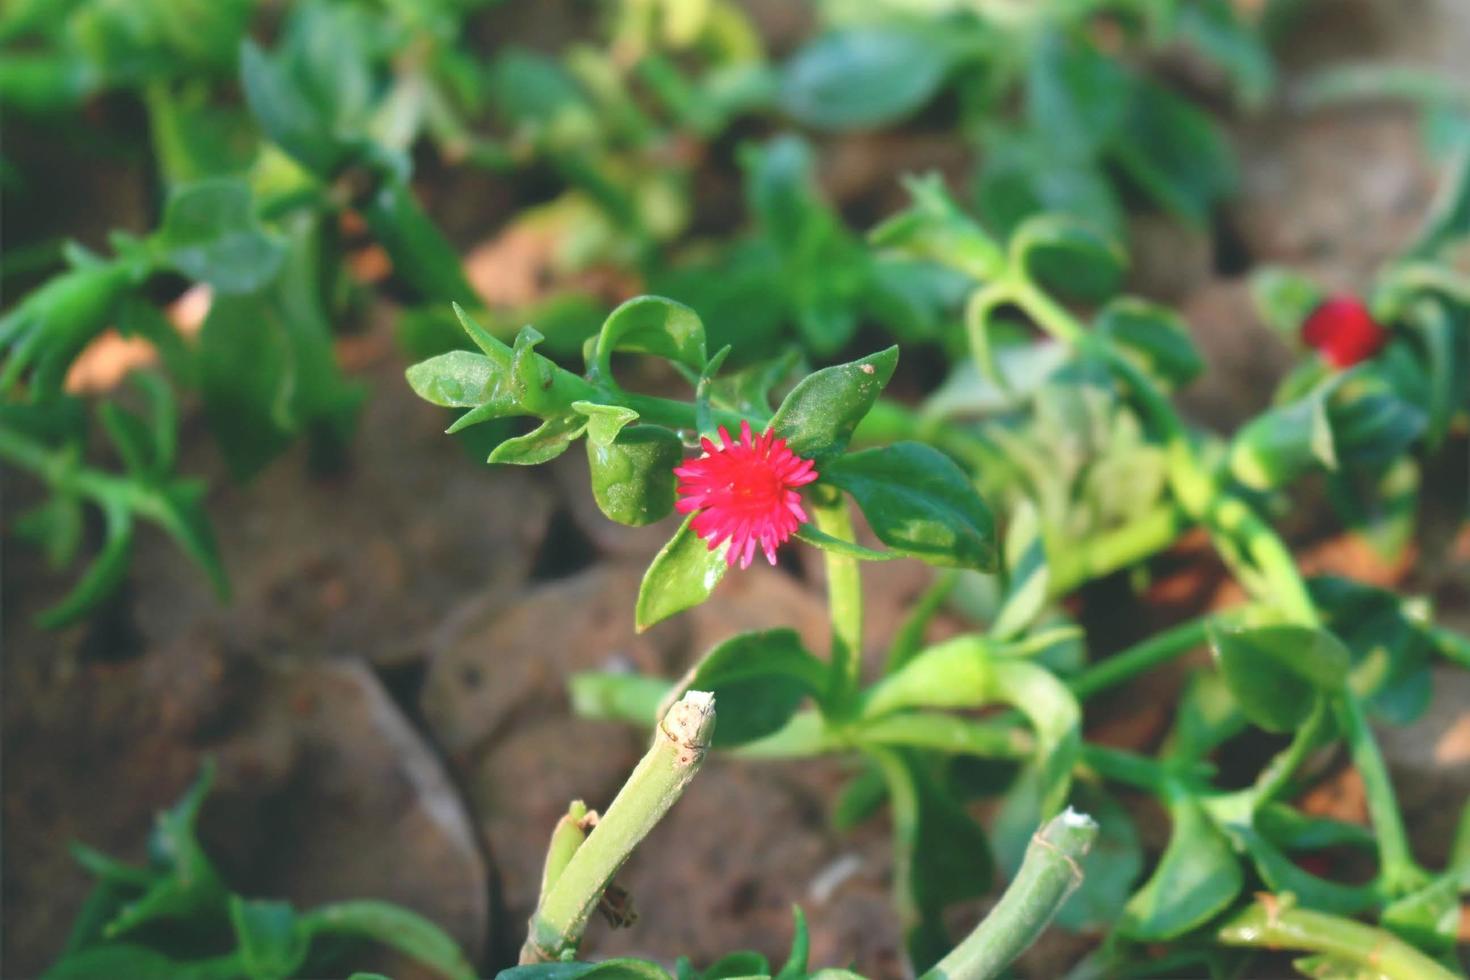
point(1343, 331)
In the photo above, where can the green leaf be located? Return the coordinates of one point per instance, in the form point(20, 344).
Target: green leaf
point(734, 965)
point(245, 375)
point(102, 577)
point(1028, 575)
point(1069, 256)
point(382, 922)
point(188, 886)
point(272, 944)
point(941, 855)
point(180, 512)
point(958, 673)
point(1282, 875)
point(795, 967)
point(1292, 830)
point(633, 476)
point(1207, 717)
point(55, 526)
point(1447, 364)
point(53, 323)
point(616, 969)
point(604, 422)
point(1372, 424)
point(131, 438)
point(128, 961)
point(936, 228)
point(820, 268)
point(1277, 671)
point(267, 368)
point(1174, 152)
point(819, 415)
point(862, 77)
point(294, 118)
point(919, 503)
point(531, 89)
point(812, 535)
point(1284, 299)
point(630, 698)
point(1021, 176)
point(1154, 335)
point(457, 379)
point(1076, 97)
point(422, 257)
point(1197, 878)
point(681, 576)
point(542, 444)
point(1388, 641)
point(1217, 29)
point(652, 325)
point(1278, 446)
point(210, 233)
point(759, 678)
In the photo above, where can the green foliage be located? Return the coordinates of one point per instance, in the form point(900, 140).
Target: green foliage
point(1197, 877)
point(683, 574)
point(267, 939)
point(861, 78)
point(919, 503)
point(758, 679)
point(819, 416)
point(1069, 442)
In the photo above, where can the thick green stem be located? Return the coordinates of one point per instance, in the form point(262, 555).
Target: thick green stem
point(910, 636)
point(1049, 873)
point(844, 600)
point(807, 735)
point(1272, 924)
point(1139, 658)
point(680, 741)
point(1396, 862)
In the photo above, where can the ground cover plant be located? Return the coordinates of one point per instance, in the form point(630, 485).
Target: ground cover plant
point(727, 366)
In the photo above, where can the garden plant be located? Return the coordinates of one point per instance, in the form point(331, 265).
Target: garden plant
point(962, 380)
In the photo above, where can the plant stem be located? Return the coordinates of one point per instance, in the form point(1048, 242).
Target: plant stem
point(60, 471)
point(1396, 862)
point(1273, 779)
point(1138, 658)
point(1140, 771)
point(844, 600)
point(1272, 924)
point(909, 638)
point(680, 741)
point(567, 837)
point(1451, 645)
point(1105, 553)
point(1049, 872)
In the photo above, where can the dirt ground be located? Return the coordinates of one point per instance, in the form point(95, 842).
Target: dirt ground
point(386, 697)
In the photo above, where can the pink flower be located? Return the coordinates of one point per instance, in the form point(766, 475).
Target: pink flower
point(745, 493)
point(1343, 330)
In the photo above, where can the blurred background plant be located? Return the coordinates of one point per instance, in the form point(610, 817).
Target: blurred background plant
point(312, 174)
